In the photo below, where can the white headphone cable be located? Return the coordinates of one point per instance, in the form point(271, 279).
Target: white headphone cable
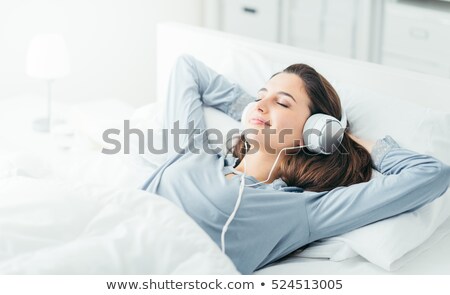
point(236, 206)
point(241, 190)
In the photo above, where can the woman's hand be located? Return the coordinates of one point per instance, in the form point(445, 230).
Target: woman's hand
point(367, 144)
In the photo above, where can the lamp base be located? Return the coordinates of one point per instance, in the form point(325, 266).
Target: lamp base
point(41, 125)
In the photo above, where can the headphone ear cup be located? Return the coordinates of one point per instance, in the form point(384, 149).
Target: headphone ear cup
point(322, 134)
point(245, 112)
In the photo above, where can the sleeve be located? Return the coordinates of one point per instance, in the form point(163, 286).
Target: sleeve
point(192, 84)
point(409, 180)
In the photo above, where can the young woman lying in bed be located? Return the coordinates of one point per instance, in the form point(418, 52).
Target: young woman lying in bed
point(296, 176)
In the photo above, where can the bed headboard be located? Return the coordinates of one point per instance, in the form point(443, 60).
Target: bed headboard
point(213, 47)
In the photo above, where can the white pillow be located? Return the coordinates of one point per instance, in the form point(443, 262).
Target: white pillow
point(249, 69)
point(91, 118)
point(386, 243)
point(149, 117)
point(371, 116)
point(144, 118)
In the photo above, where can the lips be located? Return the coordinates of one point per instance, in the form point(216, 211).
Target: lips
point(259, 121)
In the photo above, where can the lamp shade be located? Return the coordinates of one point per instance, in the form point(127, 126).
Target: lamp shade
point(47, 57)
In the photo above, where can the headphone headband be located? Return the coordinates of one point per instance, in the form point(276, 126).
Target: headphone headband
point(343, 118)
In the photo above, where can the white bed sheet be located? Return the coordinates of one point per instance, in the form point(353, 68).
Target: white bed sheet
point(81, 212)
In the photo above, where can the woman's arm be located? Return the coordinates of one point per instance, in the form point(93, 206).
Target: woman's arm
point(409, 181)
point(191, 85)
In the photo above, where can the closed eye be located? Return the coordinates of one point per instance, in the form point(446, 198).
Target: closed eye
point(279, 103)
point(279, 92)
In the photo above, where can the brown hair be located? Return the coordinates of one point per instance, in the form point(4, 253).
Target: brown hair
point(319, 172)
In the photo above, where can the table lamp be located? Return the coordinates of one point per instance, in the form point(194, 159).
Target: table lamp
point(47, 59)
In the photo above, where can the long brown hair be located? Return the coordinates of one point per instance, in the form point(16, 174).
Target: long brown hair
point(321, 172)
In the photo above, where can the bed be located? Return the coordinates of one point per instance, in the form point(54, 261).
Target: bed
point(82, 212)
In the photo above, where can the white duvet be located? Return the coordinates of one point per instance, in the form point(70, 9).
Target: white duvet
point(59, 215)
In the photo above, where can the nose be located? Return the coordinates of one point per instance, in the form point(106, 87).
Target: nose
point(261, 105)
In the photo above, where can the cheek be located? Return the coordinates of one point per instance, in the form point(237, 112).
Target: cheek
point(291, 130)
point(247, 113)
point(288, 131)
point(292, 126)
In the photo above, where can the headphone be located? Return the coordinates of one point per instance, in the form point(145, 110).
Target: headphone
point(322, 133)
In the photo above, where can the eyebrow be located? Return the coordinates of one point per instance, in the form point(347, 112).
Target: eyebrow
point(279, 92)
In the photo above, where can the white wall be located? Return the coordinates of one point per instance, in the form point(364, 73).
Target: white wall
point(111, 43)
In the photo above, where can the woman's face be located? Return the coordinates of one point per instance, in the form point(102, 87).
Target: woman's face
point(279, 114)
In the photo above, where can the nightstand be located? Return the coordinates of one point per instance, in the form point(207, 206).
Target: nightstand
point(85, 122)
point(16, 126)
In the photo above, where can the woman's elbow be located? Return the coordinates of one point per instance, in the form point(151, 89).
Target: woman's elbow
point(439, 178)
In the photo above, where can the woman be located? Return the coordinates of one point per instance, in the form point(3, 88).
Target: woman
point(306, 196)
